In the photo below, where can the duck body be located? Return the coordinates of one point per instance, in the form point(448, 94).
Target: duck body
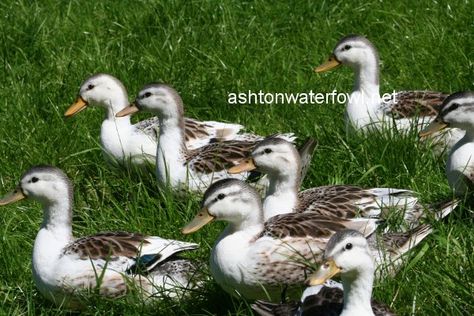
point(109, 262)
point(281, 162)
point(367, 111)
point(263, 265)
point(176, 165)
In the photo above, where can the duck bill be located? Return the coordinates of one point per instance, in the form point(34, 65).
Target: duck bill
point(12, 197)
point(326, 271)
point(331, 63)
point(435, 126)
point(201, 219)
point(79, 105)
point(246, 165)
point(132, 108)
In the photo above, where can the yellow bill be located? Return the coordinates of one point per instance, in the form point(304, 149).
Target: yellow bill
point(12, 197)
point(326, 271)
point(201, 219)
point(331, 63)
point(79, 105)
point(435, 126)
point(246, 165)
point(132, 108)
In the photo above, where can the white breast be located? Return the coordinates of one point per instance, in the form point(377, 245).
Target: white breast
point(460, 162)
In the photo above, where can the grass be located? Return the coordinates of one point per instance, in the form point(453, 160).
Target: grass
point(207, 49)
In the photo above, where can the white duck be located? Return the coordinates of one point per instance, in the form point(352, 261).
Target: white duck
point(257, 259)
point(254, 258)
point(457, 111)
point(281, 162)
point(176, 165)
point(365, 108)
point(64, 266)
point(125, 142)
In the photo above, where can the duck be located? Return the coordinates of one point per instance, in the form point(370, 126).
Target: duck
point(456, 112)
point(257, 259)
point(347, 254)
point(367, 111)
point(280, 161)
point(177, 166)
point(64, 267)
point(135, 144)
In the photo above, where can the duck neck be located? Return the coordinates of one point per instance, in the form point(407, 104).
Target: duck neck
point(252, 219)
point(364, 101)
point(282, 194)
point(58, 217)
point(367, 77)
point(171, 150)
point(469, 136)
point(358, 293)
point(115, 104)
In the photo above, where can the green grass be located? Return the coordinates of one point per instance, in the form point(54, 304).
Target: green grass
point(207, 49)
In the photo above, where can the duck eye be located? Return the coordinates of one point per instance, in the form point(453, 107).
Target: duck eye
point(454, 106)
point(348, 246)
point(34, 179)
point(347, 47)
point(90, 87)
point(221, 196)
point(267, 150)
point(147, 95)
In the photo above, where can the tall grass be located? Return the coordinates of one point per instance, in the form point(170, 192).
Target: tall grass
point(208, 49)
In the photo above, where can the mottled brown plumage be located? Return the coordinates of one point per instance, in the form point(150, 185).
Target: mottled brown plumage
point(407, 104)
point(218, 156)
point(107, 244)
point(301, 225)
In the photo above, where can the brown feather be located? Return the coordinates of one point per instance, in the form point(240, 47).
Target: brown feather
point(415, 103)
point(107, 244)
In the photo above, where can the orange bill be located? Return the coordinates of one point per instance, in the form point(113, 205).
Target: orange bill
point(79, 105)
point(12, 197)
point(201, 219)
point(245, 165)
point(331, 63)
point(435, 126)
point(132, 108)
point(326, 271)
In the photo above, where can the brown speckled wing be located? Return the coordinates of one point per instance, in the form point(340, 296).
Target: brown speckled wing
point(194, 129)
point(408, 104)
point(332, 200)
point(301, 225)
point(218, 156)
point(106, 245)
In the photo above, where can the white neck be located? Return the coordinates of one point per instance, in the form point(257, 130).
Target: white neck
point(58, 216)
point(358, 293)
point(170, 155)
point(116, 103)
point(282, 195)
point(364, 101)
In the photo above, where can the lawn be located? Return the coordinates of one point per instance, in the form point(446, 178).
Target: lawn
point(206, 50)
